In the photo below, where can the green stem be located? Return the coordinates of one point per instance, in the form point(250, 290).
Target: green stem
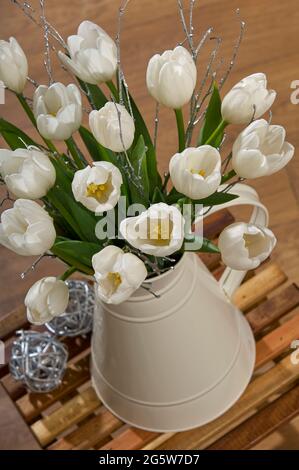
point(181, 128)
point(75, 152)
point(30, 114)
point(26, 108)
point(217, 131)
point(113, 89)
point(164, 187)
point(68, 273)
point(228, 176)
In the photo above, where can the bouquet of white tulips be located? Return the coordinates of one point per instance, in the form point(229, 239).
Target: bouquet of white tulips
point(80, 204)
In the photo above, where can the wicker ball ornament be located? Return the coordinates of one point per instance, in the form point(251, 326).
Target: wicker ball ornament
point(38, 360)
point(78, 318)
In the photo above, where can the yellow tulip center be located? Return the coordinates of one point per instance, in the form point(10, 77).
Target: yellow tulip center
point(114, 280)
point(99, 191)
point(198, 172)
point(248, 239)
point(159, 231)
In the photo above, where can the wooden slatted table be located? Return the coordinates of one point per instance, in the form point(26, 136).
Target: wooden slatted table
point(72, 416)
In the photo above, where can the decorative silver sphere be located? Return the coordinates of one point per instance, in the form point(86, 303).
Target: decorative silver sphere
point(78, 318)
point(38, 360)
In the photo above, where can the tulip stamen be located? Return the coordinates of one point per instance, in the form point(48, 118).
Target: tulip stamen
point(99, 191)
point(115, 280)
point(160, 232)
point(200, 172)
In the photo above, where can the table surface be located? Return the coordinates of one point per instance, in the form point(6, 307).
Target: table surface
point(270, 45)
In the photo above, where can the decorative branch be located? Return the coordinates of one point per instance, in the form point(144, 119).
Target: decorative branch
point(47, 53)
point(235, 52)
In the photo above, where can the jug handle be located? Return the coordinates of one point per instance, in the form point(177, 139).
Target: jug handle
point(231, 278)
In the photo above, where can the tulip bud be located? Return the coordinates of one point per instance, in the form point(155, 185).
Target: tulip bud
point(98, 187)
point(118, 274)
point(245, 246)
point(46, 299)
point(13, 65)
point(249, 99)
point(28, 173)
point(93, 54)
point(196, 172)
point(171, 77)
point(58, 110)
point(113, 127)
point(158, 231)
point(27, 229)
point(261, 150)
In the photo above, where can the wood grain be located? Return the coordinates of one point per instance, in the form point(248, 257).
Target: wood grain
point(257, 394)
point(75, 410)
point(256, 428)
point(256, 288)
point(14, 432)
point(273, 308)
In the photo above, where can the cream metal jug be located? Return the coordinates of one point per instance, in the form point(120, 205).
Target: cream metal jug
point(176, 362)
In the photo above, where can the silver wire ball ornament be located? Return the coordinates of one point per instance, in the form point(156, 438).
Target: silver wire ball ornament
point(38, 360)
point(78, 318)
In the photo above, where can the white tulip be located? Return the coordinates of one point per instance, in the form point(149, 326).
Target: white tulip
point(158, 231)
point(58, 110)
point(98, 187)
point(28, 173)
point(261, 150)
point(196, 172)
point(13, 65)
point(113, 127)
point(27, 229)
point(245, 246)
point(171, 77)
point(46, 299)
point(249, 99)
point(118, 274)
point(93, 54)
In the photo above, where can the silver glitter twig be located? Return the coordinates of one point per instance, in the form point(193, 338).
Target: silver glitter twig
point(156, 125)
point(235, 52)
point(47, 53)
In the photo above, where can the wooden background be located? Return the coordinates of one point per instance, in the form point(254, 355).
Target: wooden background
point(270, 45)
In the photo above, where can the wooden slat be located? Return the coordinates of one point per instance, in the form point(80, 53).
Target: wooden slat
point(256, 428)
point(13, 321)
point(15, 434)
point(258, 287)
point(273, 309)
point(130, 439)
point(258, 392)
point(32, 404)
point(70, 413)
point(89, 434)
point(279, 340)
point(215, 223)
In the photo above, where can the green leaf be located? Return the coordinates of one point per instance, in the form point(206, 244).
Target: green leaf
point(96, 151)
point(141, 129)
point(76, 253)
point(14, 137)
point(216, 199)
point(206, 245)
point(94, 94)
point(212, 120)
point(139, 163)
